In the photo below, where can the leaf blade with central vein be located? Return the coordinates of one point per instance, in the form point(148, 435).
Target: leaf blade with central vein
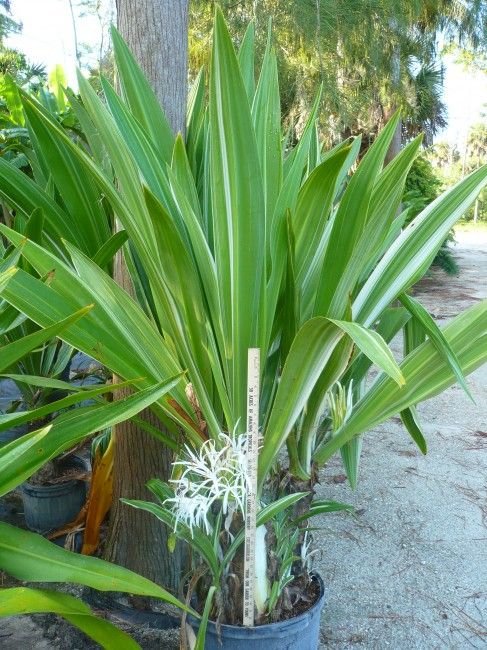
point(435, 334)
point(28, 556)
point(80, 194)
point(119, 334)
point(82, 393)
point(426, 373)
point(349, 225)
point(24, 600)
point(412, 252)
point(141, 99)
point(12, 352)
point(311, 349)
point(68, 430)
point(373, 346)
point(238, 209)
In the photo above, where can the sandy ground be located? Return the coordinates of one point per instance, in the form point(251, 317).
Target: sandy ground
point(409, 570)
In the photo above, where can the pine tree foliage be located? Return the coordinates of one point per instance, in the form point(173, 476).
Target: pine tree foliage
point(348, 46)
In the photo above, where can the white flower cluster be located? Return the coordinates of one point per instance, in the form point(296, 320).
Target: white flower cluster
point(211, 475)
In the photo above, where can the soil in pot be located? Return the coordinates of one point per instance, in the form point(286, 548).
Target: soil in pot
point(54, 496)
point(299, 632)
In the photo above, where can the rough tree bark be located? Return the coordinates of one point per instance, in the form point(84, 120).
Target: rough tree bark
point(157, 33)
point(395, 146)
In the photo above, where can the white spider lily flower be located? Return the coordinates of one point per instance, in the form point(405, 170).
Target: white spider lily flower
point(191, 510)
point(211, 475)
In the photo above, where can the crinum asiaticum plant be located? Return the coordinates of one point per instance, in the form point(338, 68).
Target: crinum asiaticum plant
point(237, 239)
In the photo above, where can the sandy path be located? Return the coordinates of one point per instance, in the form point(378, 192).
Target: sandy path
point(411, 570)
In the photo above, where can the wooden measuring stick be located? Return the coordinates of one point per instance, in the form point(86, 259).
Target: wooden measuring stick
point(253, 375)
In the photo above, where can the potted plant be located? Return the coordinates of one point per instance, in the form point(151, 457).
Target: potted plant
point(28, 556)
point(39, 377)
point(238, 242)
point(55, 494)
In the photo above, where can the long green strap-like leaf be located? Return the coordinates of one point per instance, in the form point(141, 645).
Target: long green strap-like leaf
point(246, 56)
point(435, 334)
point(182, 172)
point(68, 430)
point(385, 200)
point(139, 224)
point(276, 237)
point(133, 213)
point(201, 637)
point(115, 317)
point(143, 151)
point(24, 195)
point(195, 135)
point(141, 98)
point(105, 254)
point(374, 347)
point(320, 507)
point(92, 136)
point(83, 393)
point(309, 354)
point(42, 382)
point(182, 278)
point(426, 372)
point(77, 188)
point(129, 358)
point(410, 420)
point(238, 209)
point(315, 201)
point(130, 206)
point(23, 600)
point(390, 323)
point(30, 557)
point(205, 270)
point(11, 353)
point(411, 254)
point(266, 115)
point(316, 404)
point(348, 226)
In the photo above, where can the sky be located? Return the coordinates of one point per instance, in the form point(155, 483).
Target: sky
point(47, 37)
point(47, 33)
point(465, 94)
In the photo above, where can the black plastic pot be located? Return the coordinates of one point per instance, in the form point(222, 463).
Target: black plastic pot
point(298, 633)
point(48, 507)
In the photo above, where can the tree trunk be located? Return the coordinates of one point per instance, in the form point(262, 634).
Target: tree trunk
point(136, 539)
point(395, 146)
point(156, 32)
